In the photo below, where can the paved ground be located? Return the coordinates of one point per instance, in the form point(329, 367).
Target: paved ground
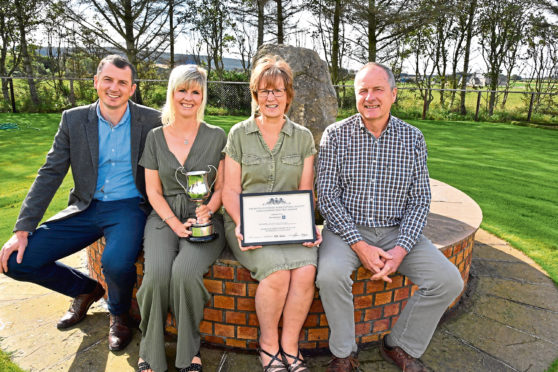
point(507, 322)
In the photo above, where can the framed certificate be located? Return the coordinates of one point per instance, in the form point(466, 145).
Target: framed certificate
point(277, 218)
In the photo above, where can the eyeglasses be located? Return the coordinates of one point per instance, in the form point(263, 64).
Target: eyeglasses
point(263, 93)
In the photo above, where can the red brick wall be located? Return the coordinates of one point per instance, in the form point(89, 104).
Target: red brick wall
point(230, 319)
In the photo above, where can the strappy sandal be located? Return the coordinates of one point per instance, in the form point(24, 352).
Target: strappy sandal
point(192, 367)
point(298, 365)
point(144, 366)
point(270, 367)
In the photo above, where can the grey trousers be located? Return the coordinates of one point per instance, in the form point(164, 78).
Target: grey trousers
point(439, 283)
point(173, 275)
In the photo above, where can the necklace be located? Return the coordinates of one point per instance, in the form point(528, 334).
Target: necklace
point(184, 138)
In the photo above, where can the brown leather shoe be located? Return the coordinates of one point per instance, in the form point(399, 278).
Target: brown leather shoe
point(348, 364)
point(78, 308)
point(400, 358)
point(120, 333)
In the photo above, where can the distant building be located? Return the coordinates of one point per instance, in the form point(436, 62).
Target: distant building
point(406, 78)
point(481, 80)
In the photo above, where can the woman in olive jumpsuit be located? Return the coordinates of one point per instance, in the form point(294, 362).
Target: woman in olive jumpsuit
point(174, 267)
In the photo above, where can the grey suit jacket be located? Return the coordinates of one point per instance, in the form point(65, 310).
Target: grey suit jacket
point(76, 145)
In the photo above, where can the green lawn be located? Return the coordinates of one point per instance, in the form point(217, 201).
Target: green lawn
point(510, 171)
point(6, 364)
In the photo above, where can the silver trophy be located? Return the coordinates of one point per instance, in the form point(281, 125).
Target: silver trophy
point(198, 190)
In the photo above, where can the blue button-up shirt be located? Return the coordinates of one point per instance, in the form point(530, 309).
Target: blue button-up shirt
point(373, 182)
point(115, 180)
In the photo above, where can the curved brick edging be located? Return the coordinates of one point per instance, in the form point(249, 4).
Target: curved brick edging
point(230, 318)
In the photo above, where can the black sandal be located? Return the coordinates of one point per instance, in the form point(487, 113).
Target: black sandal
point(298, 365)
point(273, 367)
point(144, 366)
point(192, 367)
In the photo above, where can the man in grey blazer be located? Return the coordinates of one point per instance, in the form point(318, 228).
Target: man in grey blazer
point(102, 143)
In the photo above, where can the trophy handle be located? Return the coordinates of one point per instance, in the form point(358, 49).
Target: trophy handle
point(216, 174)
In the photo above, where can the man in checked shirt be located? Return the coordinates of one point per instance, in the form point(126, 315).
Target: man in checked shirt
point(374, 194)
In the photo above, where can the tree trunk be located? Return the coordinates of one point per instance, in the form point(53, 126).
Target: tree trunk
point(3, 57)
point(6, 92)
point(137, 95)
point(171, 30)
point(209, 58)
point(372, 42)
point(472, 10)
point(335, 43)
point(27, 65)
point(280, 30)
point(493, 87)
point(72, 93)
point(131, 51)
point(261, 20)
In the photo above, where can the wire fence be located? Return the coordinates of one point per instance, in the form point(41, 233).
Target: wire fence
point(233, 98)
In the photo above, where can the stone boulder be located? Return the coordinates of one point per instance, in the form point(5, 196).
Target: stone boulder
point(315, 102)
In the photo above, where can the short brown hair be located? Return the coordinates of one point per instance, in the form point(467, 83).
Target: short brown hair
point(268, 69)
point(119, 61)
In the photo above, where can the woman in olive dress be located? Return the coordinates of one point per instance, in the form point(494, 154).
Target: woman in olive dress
point(269, 153)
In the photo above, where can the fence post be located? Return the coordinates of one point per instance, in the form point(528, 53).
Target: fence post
point(425, 104)
point(478, 106)
point(12, 95)
point(531, 106)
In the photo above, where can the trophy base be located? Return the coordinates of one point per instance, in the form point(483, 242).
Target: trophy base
point(202, 239)
point(201, 233)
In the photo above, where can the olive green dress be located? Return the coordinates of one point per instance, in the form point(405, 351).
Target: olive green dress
point(174, 267)
point(265, 170)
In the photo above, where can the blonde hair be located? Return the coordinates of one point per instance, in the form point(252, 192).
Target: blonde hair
point(184, 76)
point(268, 69)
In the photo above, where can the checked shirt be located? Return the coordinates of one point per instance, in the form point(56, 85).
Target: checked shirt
point(373, 182)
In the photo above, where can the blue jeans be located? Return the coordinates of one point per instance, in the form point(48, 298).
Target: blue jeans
point(121, 222)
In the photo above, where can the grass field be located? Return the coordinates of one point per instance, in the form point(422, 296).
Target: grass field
point(510, 171)
point(6, 364)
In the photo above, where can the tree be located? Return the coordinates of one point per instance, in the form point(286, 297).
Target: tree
point(330, 30)
point(252, 13)
point(552, 6)
point(500, 30)
point(26, 12)
point(56, 55)
point(261, 20)
point(282, 14)
point(212, 20)
point(175, 10)
point(423, 47)
point(542, 58)
point(379, 23)
point(141, 24)
point(10, 54)
point(244, 37)
point(443, 24)
point(468, 25)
